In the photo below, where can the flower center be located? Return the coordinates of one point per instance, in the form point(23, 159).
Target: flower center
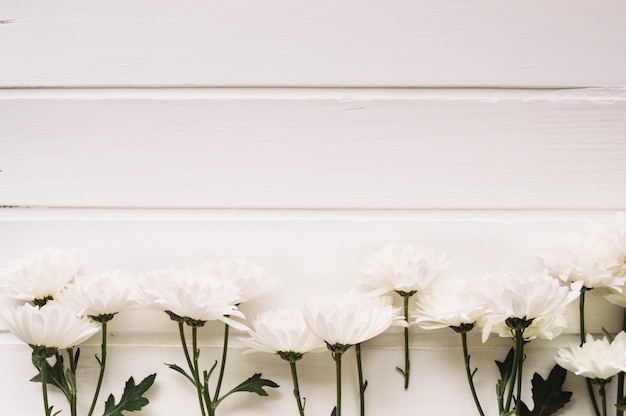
point(290, 356)
point(463, 328)
point(518, 323)
point(42, 351)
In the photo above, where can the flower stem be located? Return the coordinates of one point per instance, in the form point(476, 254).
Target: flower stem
point(216, 396)
point(44, 384)
point(102, 362)
point(519, 345)
point(470, 375)
point(519, 372)
point(602, 393)
point(192, 368)
point(620, 376)
point(72, 392)
point(196, 370)
point(337, 357)
point(362, 384)
point(407, 364)
point(581, 312)
point(296, 387)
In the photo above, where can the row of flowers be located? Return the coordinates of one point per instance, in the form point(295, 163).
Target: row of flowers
point(400, 286)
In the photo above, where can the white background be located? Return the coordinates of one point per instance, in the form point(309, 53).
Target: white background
point(305, 135)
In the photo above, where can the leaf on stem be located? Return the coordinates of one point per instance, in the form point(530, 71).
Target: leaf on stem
point(54, 375)
point(254, 384)
point(131, 398)
point(547, 395)
point(181, 371)
point(506, 367)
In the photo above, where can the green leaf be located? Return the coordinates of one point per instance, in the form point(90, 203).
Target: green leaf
point(607, 335)
point(506, 367)
point(334, 412)
point(547, 395)
point(131, 398)
point(522, 409)
point(55, 376)
point(254, 384)
point(178, 369)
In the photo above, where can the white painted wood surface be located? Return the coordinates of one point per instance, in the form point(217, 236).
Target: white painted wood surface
point(304, 149)
point(305, 135)
point(315, 43)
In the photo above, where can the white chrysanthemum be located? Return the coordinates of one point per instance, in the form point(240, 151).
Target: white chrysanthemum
point(595, 359)
point(524, 297)
point(103, 295)
point(620, 232)
point(40, 277)
point(618, 298)
point(281, 331)
point(591, 259)
point(547, 327)
point(402, 269)
point(50, 327)
point(252, 280)
point(448, 304)
point(350, 318)
point(193, 296)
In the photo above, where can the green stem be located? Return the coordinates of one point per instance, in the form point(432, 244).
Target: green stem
point(362, 384)
point(196, 371)
point(602, 393)
point(44, 384)
point(296, 387)
point(470, 375)
point(216, 396)
point(102, 361)
point(519, 373)
point(581, 312)
point(407, 364)
point(73, 399)
point(519, 339)
point(337, 358)
point(193, 369)
point(620, 376)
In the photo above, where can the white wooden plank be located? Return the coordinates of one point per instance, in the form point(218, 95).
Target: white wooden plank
point(314, 43)
point(301, 149)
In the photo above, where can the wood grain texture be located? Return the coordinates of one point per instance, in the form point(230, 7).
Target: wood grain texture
point(312, 43)
point(417, 150)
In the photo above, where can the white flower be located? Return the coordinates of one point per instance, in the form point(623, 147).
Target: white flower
point(350, 318)
point(40, 277)
point(193, 296)
point(547, 327)
point(50, 327)
point(523, 297)
point(448, 304)
point(281, 331)
point(620, 233)
point(252, 280)
point(618, 299)
point(595, 359)
point(103, 295)
point(591, 259)
point(402, 269)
